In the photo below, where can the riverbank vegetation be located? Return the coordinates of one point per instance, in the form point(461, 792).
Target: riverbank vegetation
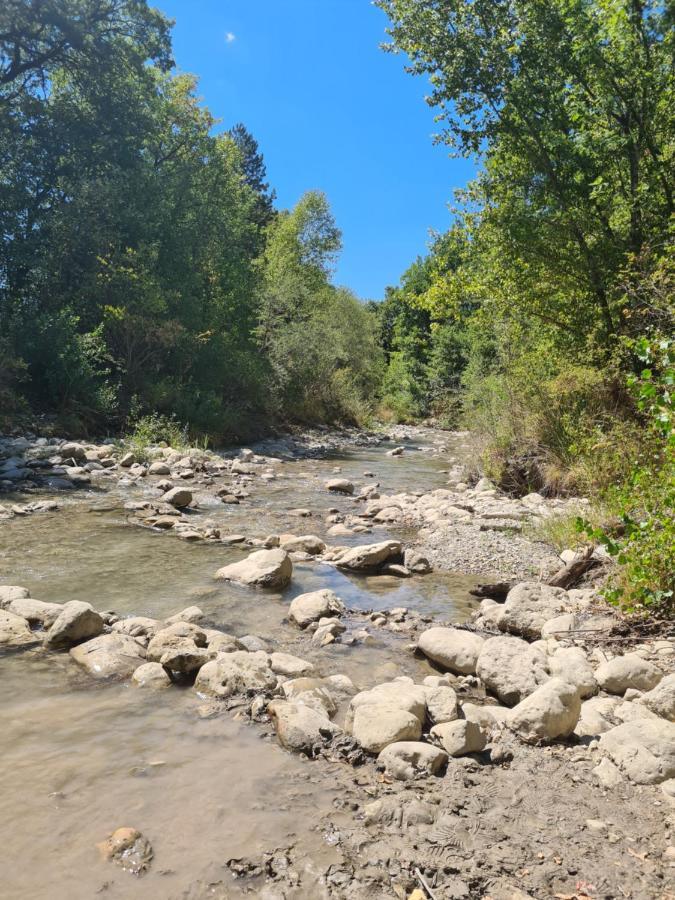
point(144, 268)
point(544, 319)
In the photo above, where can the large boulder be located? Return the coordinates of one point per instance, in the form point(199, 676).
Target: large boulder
point(644, 749)
point(459, 737)
point(370, 557)
point(9, 592)
point(14, 631)
point(441, 704)
point(35, 612)
point(151, 675)
point(308, 608)
point(180, 647)
point(529, 606)
point(403, 695)
point(299, 727)
point(661, 699)
point(236, 673)
point(313, 692)
point(377, 725)
point(511, 668)
point(340, 486)
point(109, 655)
point(289, 665)
point(453, 649)
point(179, 497)
point(551, 712)
point(304, 543)
point(629, 671)
point(597, 716)
point(264, 568)
point(406, 759)
point(77, 621)
point(571, 664)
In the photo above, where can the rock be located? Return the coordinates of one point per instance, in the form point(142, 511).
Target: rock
point(571, 664)
point(529, 606)
point(179, 497)
point(289, 665)
point(180, 647)
point(396, 451)
point(452, 648)
point(151, 675)
point(484, 484)
point(485, 716)
point(559, 626)
point(252, 643)
point(220, 642)
point(308, 608)
point(400, 694)
point(14, 631)
point(127, 460)
point(77, 621)
point(327, 631)
point(607, 774)
point(299, 727)
point(191, 614)
point(159, 468)
point(129, 849)
point(375, 726)
point(138, 627)
point(109, 655)
point(35, 612)
point(12, 592)
point(264, 568)
point(313, 692)
point(416, 562)
point(551, 712)
point(644, 749)
point(459, 737)
point(511, 668)
point(304, 543)
point(597, 716)
point(404, 760)
point(340, 685)
point(340, 486)
point(233, 673)
point(73, 451)
point(629, 671)
point(661, 699)
point(441, 704)
point(369, 557)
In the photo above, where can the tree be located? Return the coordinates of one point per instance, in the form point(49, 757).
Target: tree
point(254, 172)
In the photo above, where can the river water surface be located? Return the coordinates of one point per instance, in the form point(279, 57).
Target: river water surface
point(80, 759)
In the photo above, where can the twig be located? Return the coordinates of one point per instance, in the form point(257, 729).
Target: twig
point(424, 884)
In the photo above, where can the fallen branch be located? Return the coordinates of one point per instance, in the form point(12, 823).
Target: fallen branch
point(572, 572)
point(425, 885)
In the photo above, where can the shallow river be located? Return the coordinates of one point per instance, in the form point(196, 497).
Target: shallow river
point(80, 759)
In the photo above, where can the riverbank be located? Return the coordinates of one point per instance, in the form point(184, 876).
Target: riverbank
point(305, 614)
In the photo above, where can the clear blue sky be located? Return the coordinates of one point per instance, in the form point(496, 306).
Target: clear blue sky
point(330, 111)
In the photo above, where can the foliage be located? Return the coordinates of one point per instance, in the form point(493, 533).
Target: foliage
point(143, 262)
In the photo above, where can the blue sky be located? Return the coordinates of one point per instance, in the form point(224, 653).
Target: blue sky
point(330, 111)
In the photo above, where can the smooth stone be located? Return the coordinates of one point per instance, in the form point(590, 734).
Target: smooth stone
point(264, 568)
point(550, 712)
point(404, 760)
point(452, 648)
point(460, 737)
point(77, 621)
point(109, 655)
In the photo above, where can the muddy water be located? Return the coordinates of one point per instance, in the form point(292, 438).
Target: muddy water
point(80, 759)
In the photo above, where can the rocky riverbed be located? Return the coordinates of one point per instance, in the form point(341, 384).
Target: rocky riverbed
point(262, 672)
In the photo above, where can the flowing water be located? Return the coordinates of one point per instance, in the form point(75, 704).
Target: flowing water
point(80, 759)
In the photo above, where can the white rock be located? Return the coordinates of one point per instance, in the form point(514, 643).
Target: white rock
point(406, 759)
point(370, 556)
point(559, 626)
point(661, 699)
point(375, 726)
point(398, 694)
point(644, 749)
point(151, 675)
point(452, 648)
point(511, 668)
point(441, 704)
point(340, 486)
point(571, 664)
point(310, 607)
point(179, 497)
point(299, 727)
point(313, 692)
point(596, 717)
point(190, 614)
point(9, 592)
point(264, 568)
point(109, 655)
point(14, 631)
point(460, 737)
point(35, 612)
point(77, 621)
point(529, 606)
point(551, 712)
point(629, 671)
point(238, 672)
point(289, 665)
